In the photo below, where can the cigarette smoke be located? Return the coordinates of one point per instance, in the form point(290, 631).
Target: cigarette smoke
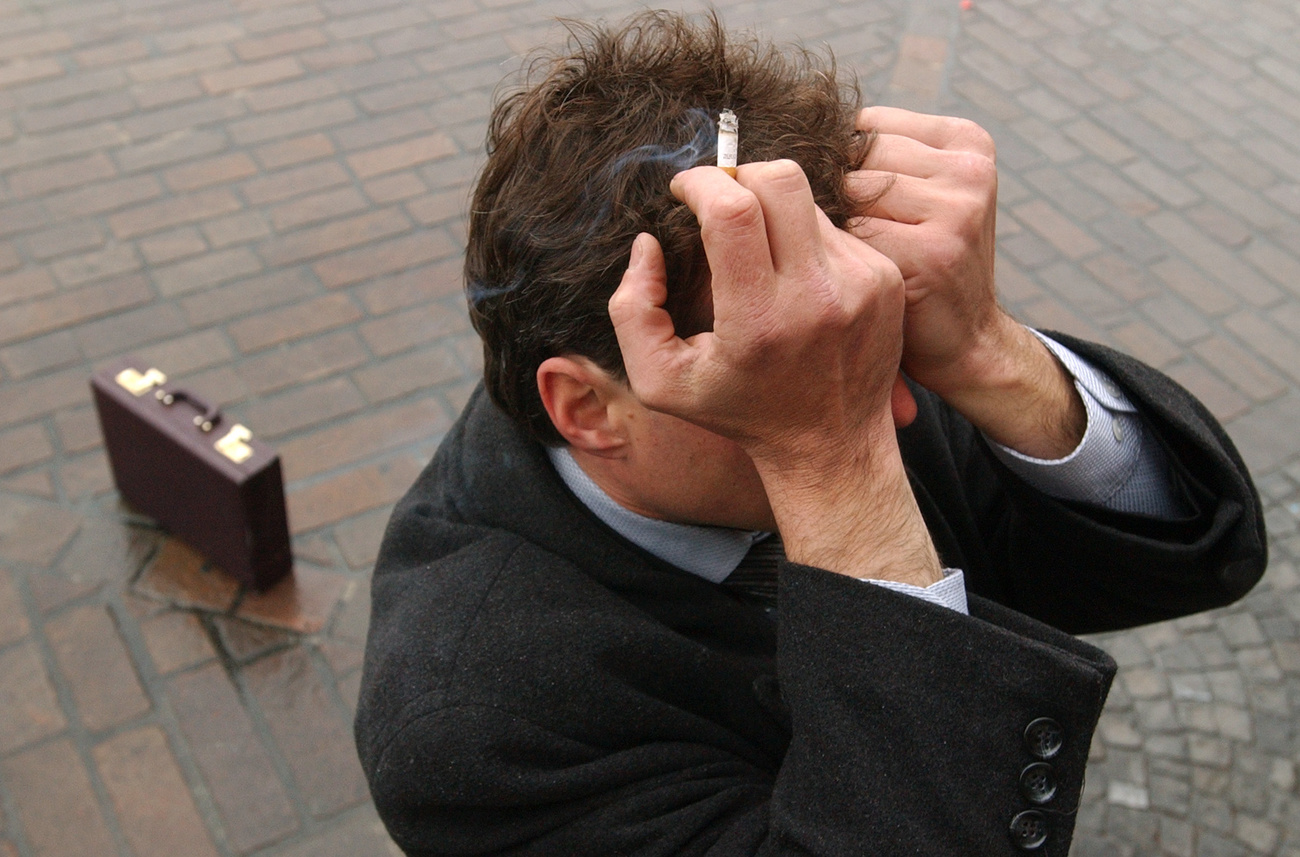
point(598, 198)
point(702, 146)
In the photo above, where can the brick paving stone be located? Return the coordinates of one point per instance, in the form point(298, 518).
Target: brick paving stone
point(13, 623)
point(71, 308)
point(303, 361)
point(36, 483)
point(293, 182)
point(1275, 345)
point(412, 287)
point(303, 407)
point(384, 258)
point(182, 117)
point(317, 207)
point(1263, 434)
point(402, 330)
point(244, 642)
point(97, 667)
point(71, 173)
point(97, 265)
point(302, 603)
point(23, 447)
point(370, 433)
point(398, 376)
point(284, 325)
point(399, 156)
point(218, 170)
point(176, 640)
point(25, 284)
point(210, 269)
point(64, 239)
point(104, 197)
point(248, 295)
point(309, 729)
point(187, 353)
point(254, 807)
point(235, 229)
point(56, 802)
point(29, 709)
point(336, 235)
point(1222, 400)
point(121, 332)
point(278, 44)
point(282, 123)
point(152, 801)
point(1246, 373)
point(33, 532)
point(284, 153)
point(169, 149)
point(362, 834)
point(394, 187)
point(353, 492)
point(173, 211)
point(179, 575)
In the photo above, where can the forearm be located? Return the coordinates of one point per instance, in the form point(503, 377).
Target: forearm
point(1012, 388)
point(852, 513)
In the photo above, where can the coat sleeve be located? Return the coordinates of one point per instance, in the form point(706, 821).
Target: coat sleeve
point(908, 732)
point(1081, 567)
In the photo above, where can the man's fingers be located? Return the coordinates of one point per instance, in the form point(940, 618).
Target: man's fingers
point(905, 199)
point(895, 153)
point(733, 232)
point(645, 332)
point(794, 233)
point(940, 132)
point(904, 244)
point(902, 403)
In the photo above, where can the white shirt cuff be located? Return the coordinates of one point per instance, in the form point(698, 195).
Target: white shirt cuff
point(1104, 461)
point(949, 592)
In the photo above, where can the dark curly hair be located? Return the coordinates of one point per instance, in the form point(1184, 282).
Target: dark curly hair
point(579, 162)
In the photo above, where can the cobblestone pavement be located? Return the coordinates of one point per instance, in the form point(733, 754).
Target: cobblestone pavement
point(264, 198)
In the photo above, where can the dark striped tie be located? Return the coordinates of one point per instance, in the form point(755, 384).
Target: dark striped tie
point(755, 578)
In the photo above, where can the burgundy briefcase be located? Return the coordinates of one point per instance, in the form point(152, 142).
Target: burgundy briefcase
point(202, 477)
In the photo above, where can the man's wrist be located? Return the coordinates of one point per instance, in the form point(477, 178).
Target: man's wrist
point(1017, 393)
point(862, 520)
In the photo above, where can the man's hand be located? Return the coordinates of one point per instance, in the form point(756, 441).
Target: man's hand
point(936, 221)
point(800, 368)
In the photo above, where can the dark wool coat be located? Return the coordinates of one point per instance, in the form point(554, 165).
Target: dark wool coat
point(535, 684)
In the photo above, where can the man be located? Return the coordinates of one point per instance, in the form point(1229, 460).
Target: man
point(562, 659)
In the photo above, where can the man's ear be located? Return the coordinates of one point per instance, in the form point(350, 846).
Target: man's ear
point(581, 400)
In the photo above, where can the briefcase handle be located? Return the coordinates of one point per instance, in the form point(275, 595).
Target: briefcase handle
point(208, 415)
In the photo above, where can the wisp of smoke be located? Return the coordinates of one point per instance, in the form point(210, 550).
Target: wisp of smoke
point(701, 129)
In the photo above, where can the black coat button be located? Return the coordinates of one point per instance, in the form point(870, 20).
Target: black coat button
point(1029, 830)
point(1044, 738)
point(1038, 783)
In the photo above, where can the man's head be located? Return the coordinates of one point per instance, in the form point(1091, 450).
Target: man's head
point(579, 163)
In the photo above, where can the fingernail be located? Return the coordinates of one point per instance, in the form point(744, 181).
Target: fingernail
point(638, 253)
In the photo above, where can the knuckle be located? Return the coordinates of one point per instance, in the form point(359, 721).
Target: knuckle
point(971, 135)
point(782, 173)
point(946, 256)
point(735, 208)
point(975, 170)
point(619, 308)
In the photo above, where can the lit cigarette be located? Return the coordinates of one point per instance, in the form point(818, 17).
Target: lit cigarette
point(728, 141)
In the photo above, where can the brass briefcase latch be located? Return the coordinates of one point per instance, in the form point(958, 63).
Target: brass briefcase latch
point(138, 383)
point(235, 444)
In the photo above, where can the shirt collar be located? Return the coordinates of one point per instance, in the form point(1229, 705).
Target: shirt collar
point(710, 552)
